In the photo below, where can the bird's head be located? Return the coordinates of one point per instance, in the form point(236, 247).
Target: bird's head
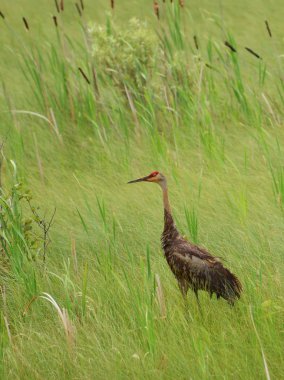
point(155, 177)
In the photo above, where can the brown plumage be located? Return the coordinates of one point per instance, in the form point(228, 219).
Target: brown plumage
point(193, 266)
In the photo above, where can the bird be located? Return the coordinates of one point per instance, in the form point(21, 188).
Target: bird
point(193, 266)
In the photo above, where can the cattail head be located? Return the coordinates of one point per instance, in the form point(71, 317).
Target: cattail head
point(57, 6)
point(78, 9)
point(62, 5)
point(252, 52)
point(230, 46)
point(26, 23)
point(181, 3)
point(55, 21)
point(268, 28)
point(82, 5)
point(2, 15)
point(84, 75)
point(195, 42)
point(156, 9)
point(112, 4)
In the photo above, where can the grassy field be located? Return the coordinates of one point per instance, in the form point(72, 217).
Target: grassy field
point(104, 304)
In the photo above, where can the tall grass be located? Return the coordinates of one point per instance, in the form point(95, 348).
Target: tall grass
point(205, 115)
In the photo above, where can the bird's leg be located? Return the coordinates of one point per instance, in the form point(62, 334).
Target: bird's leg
point(183, 286)
point(198, 303)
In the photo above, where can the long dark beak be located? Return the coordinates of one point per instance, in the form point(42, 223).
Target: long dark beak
point(139, 179)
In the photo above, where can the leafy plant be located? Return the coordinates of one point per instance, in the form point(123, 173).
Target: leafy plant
point(125, 55)
point(20, 224)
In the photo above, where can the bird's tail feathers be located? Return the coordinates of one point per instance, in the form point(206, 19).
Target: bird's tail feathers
point(226, 284)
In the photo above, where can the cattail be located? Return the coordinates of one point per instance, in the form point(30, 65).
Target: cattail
point(195, 42)
point(253, 52)
point(112, 4)
point(82, 5)
point(62, 5)
point(57, 6)
point(55, 21)
point(156, 9)
point(231, 47)
point(209, 66)
point(268, 28)
point(181, 3)
point(2, 15)
point(78, 9)
point(84, 75)
point(26, 23)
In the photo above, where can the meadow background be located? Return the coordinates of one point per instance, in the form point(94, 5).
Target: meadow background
point(99, 301)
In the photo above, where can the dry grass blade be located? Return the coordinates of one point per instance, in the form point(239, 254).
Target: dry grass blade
point(262, 352)
point(132, 106)
point(27, 307)
point(74, 254)
point(54, 123)
point(8, 329)
point(63, 316)
point(160, 296)
point(269, 108)
point(39, 161)
point(31, 113)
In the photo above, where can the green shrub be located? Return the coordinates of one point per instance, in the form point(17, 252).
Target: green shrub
point(127, 55)
point(23, 234)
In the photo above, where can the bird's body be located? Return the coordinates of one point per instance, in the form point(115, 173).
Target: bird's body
point(193, 266)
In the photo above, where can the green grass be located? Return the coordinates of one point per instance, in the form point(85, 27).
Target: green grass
point(105, 304)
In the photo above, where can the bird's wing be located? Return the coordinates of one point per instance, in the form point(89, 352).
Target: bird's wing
point(194, 252)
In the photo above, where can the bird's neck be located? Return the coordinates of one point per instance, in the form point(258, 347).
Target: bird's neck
point(168, 219)
point(170, 232)
point(166, 201)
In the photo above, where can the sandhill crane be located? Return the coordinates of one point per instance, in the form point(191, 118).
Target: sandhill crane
point(193, 266)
